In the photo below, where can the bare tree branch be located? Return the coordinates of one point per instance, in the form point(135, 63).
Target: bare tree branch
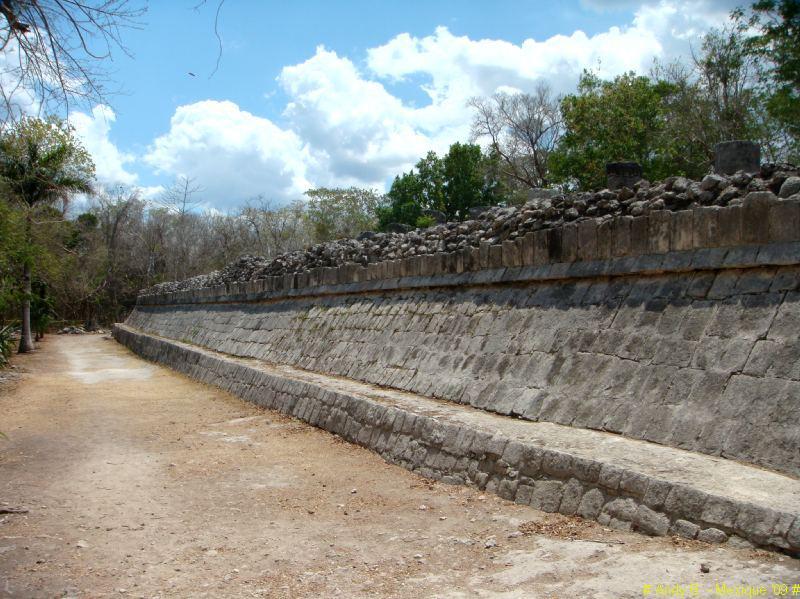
point(54, 51)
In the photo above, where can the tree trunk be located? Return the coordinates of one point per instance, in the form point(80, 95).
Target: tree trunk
point(26, 340)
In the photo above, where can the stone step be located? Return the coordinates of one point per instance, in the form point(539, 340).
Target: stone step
point(620, 482)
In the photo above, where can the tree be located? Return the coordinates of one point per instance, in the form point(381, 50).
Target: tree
point(777, 44)
point(452, 185)
point(41, 164)
point(608, 121)
point(711, 99)
point(55, 51)
point(522, 130)
point(334, 213)
point(463, 180)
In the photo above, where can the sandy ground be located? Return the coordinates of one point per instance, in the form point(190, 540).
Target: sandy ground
point(141, 483)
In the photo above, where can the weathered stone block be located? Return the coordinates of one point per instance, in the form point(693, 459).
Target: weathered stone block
point(720, 512)
point(621, 236)
point(571, 497)
point(639, 236)
point(712, 535)
point(685, 529)
point(610, 477)
point(685, 502)
point(651, 522)
point(569, 242)
point(659, 231)
point(546, 495)
point(784, 221)
point(755, 216)
point(706, 227)
point(587, 239)
point(496, 256)
point(540, 251)
point(511, 254)
point(591, 504)
point(526, 249)
point(729, 226)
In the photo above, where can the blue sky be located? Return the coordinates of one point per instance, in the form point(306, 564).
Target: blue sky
point(315, 93)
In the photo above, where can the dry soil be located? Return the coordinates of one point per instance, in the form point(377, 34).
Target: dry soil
point(139, 482)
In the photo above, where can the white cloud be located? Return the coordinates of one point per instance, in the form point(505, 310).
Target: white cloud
point(345, 124)
point(357, 130)
point(231, 154)
point(93, 130)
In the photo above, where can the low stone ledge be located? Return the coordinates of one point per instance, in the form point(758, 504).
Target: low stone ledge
point(622, 483)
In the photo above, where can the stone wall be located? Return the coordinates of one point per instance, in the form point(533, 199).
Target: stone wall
point(679, 328)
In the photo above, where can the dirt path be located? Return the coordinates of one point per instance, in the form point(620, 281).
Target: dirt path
point(142, 483)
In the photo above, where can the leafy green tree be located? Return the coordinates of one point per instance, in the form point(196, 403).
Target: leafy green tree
point(9, 246)
point(607, 121)
point(462, 179)
point(777, 44)
point(42, 165)
point(404, 202)
point(334, 213)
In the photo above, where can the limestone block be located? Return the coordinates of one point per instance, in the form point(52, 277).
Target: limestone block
point(571, 497)
point(659, 225)
point(651, 522)
point(706, 226)
point(784, 221)
point(756, 522)
point(729, 226)
point(720, 512)
point(525, 246)
point(755, 216)
point(524, 494)
point(685, 529)
point(540, 243)
point(496, 256)
point(639, 235)
point(591, 504)
point(623, 509)
point(685, 502)
point(511, 254)
point(546, 495)
point(604, 240)
point(712, 535)
point(569, 242)
point(557, 464)
point(587, 239)
point(634, 483)
point(621, 236)
point(610, 477)
point(484, 254)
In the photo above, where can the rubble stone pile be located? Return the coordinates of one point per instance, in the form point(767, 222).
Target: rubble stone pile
point(545, 209)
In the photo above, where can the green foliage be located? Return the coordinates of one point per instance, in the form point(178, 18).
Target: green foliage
point(42, 162)
point(777, 44)
point(608, 121)
point(423, 222)
point(462, 179)
point(6, 344)
point(42, 308)
point(10, 230)
point(337, 213)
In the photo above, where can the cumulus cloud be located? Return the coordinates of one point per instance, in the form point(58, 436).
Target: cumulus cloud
point(231, 154)
point(345, 124)
point(93, 130)
point(355, 128)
